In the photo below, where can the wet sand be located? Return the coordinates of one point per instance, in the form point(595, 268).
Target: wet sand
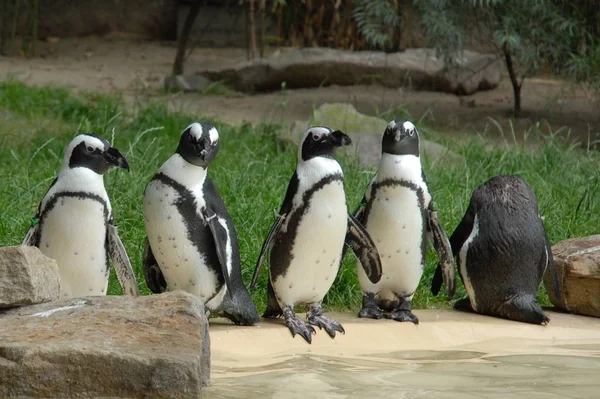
point(448, 355)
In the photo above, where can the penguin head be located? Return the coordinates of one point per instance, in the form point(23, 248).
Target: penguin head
point(95, 153)
point(199, 144)
point(319, 141)
point(400, 138)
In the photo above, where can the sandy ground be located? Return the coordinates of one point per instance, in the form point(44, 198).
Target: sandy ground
point(137, 69)
point(448, 355)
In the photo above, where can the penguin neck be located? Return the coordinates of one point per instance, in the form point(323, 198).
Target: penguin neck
point(315, 169)
point(183, 172)
point(403, 167)
point(80, 179)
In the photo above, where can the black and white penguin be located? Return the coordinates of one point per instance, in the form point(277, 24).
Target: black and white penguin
point(307, 238)
point(397, 211)
point(74, 223)
point(502, 252)
point(191, 242)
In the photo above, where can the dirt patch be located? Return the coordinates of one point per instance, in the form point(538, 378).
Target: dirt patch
point(137, 68)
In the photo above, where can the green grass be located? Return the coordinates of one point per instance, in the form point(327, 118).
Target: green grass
point(252, 171)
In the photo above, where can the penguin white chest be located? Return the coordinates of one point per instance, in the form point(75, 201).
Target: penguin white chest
point(74, 233)
point(396, 225)
point(316, 249)
point(181, 261)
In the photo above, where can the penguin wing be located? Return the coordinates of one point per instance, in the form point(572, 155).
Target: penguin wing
point(458, 238)
point(155, 280)
point(223, 243)
point(286, 208)
point(550, 264)
point(267, 245)
point(32, 238)
point(33, 234)
point(359, 240)
point(120, 261)
point(444, 251)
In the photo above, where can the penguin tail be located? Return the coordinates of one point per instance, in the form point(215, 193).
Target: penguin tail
point(523, 308)
point(273, 310)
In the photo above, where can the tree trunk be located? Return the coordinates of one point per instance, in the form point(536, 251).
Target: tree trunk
point(514, 80)
point(252, 29)
point(263, 28)
point(183, 39)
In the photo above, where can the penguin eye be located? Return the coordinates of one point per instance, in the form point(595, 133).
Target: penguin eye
point(411, 133)
point(316, 137)
point(89, 149)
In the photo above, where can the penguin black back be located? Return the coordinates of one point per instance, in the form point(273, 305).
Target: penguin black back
point(503, 251)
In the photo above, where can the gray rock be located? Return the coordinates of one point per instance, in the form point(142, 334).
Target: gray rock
point(186, 83)
point(365, 132)
point(27, 277)
point(418, 69)
point(112, 346)
point(578, 268)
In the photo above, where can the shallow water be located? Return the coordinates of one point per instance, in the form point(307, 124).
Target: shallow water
point(416, 374)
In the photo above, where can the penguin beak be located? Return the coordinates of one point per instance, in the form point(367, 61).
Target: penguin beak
point(114, 157)
point(398, 134)
point(339, 139)
point(201, 149)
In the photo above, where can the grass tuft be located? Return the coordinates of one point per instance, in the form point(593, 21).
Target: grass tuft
point(252, 171)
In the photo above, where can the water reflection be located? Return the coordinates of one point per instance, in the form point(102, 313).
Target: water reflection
point(414, 374)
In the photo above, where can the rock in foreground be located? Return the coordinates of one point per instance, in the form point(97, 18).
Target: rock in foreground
point(113, 346)
point(419, 69)
point(578, 268)
point(27, 277)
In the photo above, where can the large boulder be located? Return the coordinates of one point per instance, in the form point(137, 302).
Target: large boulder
point(418, 69)
point(27, 277)
point(111, 346)
point(578, 268)
point(365, 132)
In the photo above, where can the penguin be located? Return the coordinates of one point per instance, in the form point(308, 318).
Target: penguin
point(398, 212)
point(502, 252)
point(75, 225)
point(191, 242)
point(308, 236)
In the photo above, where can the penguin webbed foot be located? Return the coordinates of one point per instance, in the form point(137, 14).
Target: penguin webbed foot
point(297, 325)
point(369, 308)
point(316, 318)
point(403, 313)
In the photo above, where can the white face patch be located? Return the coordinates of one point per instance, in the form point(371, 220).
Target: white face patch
point(195, 130)
point(408, 126)
point(391, 125)
point(213, 135)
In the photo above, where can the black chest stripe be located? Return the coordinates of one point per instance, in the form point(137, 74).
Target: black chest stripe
point(198, 232)
point(281, 255)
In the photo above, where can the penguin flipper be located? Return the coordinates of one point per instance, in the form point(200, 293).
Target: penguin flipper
point(32, 238)
point(220, 232)
point(121, 261)
point(33, 235)
point(267, 245)
point(552, 266)
point(361, 243)
point(444, 251)
point(155, 280)
point(457, 240)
